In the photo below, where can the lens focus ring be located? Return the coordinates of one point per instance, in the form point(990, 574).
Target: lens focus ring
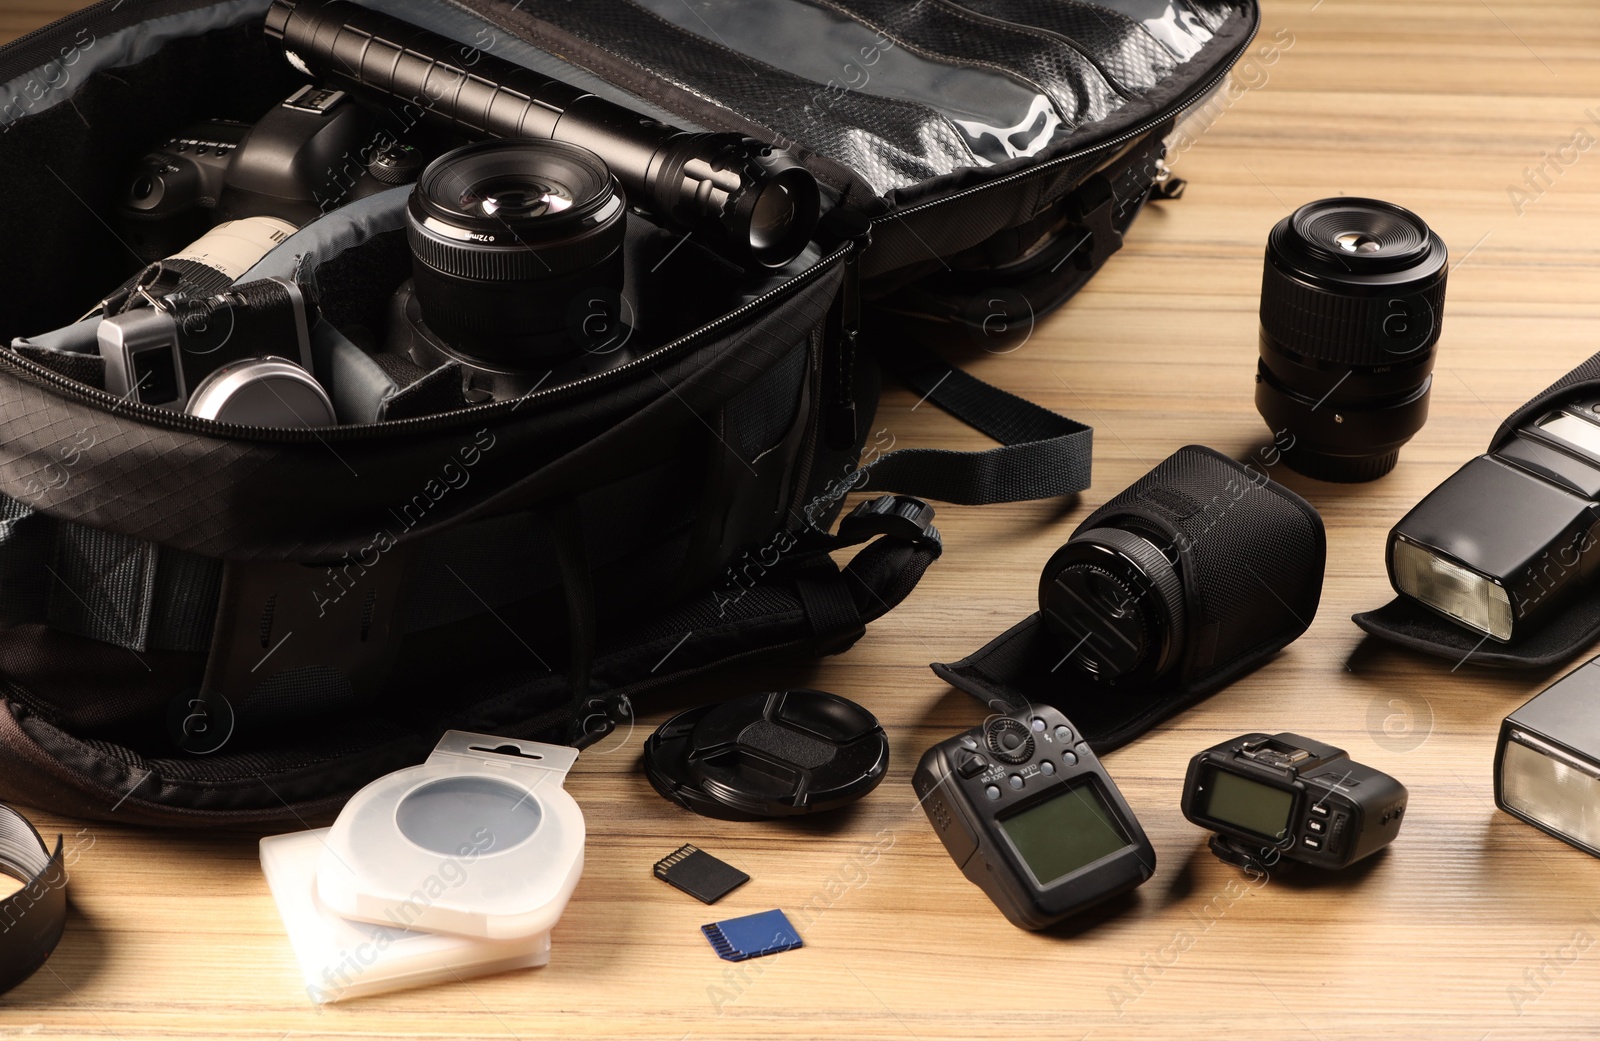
point(513, 262)
point(505, 236)
point(1342, 329)
point(1352, 304)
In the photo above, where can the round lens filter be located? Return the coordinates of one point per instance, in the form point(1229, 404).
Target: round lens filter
point(768, 755)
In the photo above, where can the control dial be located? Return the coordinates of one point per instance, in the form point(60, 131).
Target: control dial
point(1010, 740)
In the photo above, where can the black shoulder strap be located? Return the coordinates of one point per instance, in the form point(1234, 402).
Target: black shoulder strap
point(1042, 455)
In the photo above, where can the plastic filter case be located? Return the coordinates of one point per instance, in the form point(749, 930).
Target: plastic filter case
point(481, 840)
point(342, 959)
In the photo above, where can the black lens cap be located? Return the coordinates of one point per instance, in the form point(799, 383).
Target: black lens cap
point(780, 754)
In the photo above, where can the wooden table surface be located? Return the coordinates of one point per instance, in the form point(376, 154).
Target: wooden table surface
point(1473, 925)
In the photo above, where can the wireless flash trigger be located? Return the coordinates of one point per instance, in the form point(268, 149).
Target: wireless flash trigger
point(481, 840)
point(1027, 812)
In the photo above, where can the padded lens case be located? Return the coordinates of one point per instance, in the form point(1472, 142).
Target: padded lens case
point(1250, 555)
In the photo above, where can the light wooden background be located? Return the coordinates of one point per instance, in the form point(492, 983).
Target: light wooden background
point(1472, 926)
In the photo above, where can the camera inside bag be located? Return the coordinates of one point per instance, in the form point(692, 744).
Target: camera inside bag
point(521, 267)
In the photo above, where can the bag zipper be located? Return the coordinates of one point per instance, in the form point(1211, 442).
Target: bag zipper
point(174, 420)
point(31, 50)
point(1132, 133)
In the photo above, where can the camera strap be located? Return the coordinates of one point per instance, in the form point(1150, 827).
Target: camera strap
point(159, 281)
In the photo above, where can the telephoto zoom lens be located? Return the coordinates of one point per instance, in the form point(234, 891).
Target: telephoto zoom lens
point(1351, 301)
point(505, 235)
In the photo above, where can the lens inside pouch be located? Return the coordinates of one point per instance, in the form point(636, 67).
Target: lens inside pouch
point(455, 816)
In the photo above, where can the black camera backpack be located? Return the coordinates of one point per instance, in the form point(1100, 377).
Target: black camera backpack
point(323, 603)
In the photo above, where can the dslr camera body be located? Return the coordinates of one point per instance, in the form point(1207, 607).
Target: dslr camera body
point(1286, 797)
point(231, 191)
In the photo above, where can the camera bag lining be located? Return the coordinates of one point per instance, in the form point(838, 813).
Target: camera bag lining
point(182, 506)
point(898, 156)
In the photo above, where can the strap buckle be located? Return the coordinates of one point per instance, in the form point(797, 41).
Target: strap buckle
point(1091, 207)
point(596, 716)
point(903, 517)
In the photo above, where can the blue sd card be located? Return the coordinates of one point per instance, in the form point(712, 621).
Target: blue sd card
point(752, 936)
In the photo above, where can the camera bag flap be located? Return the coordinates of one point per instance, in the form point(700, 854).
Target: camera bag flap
point(1409, 624)
point(1240, 612)
point(205, 623)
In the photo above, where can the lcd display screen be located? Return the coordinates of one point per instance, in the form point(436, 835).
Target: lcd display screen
point(1065, 833)
point(1249, 805)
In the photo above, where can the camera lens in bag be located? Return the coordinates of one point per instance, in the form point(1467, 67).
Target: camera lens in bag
point(505, 235)
point(1196, 570)
point(1351, 301)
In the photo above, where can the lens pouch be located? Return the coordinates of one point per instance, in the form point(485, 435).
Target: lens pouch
point(1568, 632)
point(1248, 556)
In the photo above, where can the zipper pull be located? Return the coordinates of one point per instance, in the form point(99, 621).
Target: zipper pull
point(839, 427)
point(1166, 187)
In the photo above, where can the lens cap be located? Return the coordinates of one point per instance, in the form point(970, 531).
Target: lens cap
point(1359, 235)
point(780, 754)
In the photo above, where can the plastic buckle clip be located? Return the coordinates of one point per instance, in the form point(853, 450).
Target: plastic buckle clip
point(1091, 207)
point(903, 517)
point(597, 716)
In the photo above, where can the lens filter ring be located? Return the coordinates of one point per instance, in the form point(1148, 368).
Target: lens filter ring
point(1360, 236)
point(36, 914)
point(515, 210)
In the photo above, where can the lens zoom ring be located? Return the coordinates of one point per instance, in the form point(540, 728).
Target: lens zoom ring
point(1351, 330)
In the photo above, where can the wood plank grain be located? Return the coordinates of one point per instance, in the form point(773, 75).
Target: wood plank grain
point(1472, 925)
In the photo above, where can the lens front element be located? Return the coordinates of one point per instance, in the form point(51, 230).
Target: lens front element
point(505, 235)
